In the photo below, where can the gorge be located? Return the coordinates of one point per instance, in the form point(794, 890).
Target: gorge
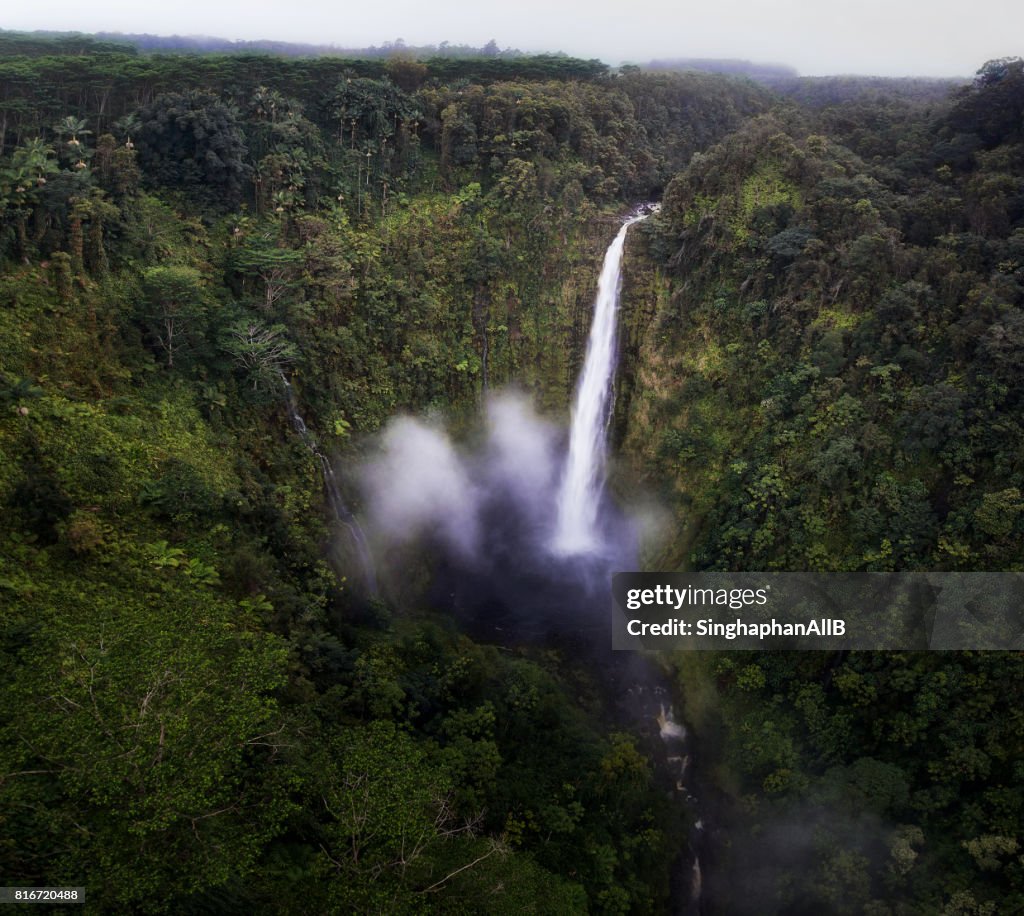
point(264, 321)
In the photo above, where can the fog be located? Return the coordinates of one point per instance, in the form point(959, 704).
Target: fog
point(421, 486)
point(883, 37)
point(486, 510)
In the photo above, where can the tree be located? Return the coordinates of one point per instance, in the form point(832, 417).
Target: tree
point(22, 183)
point(370, 110)
point(192, 140)
point(276, 268)
point(69, 130)
point(406, 73)
point(115, 166)
point(993, 107)
point(389, 807)
point(286, 147)
point(175, 303)
point(262, 351)
point(150, 709)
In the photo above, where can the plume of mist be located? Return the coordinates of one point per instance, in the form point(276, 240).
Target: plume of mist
point(488, 510)
point(521, 457)
point(420, 487)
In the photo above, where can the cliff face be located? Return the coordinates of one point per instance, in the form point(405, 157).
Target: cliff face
point(816, 367)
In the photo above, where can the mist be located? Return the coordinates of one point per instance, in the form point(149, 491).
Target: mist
point(486, 512)
point(420, 487)
point(899, 38)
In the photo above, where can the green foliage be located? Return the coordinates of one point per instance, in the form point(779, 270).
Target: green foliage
point(133, 722)
point(882, 772)
point(993, 107)
point(262, 352)
point(853, 419)
point(174, 305)
point(822, 340)
point(822, 389)
point(192, 140)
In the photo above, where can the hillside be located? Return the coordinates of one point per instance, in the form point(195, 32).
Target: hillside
point(220, 272)
point(826, 376)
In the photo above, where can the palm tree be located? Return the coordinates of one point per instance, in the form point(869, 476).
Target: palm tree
point(20, 183)
point(72, 127)
point(32, 162)
point(69, 129)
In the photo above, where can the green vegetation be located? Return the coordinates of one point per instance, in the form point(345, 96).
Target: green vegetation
point(199, 714)
point(830, 381)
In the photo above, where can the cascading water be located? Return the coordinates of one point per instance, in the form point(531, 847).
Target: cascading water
point(577, 531)
point(338, 508)
point(580, 494)
point(525, 545)
point(676, 741)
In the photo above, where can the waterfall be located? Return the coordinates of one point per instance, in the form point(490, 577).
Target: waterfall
point(583, 479)
point(339, 510)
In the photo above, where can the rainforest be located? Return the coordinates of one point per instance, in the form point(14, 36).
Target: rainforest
point(298, 613)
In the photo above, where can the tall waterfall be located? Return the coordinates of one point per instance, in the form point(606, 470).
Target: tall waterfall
point(583, 479)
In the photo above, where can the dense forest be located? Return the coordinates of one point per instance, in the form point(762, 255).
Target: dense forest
point(46, 43)
point(204, 709)
point(828, 378)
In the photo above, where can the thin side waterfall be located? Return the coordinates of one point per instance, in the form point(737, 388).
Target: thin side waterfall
point(583, 480)
point(339, 510)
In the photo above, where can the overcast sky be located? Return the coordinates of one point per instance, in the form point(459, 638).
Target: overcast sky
point(890, 37)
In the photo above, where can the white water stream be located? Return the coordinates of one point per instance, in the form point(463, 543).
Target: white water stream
point(579, 496)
